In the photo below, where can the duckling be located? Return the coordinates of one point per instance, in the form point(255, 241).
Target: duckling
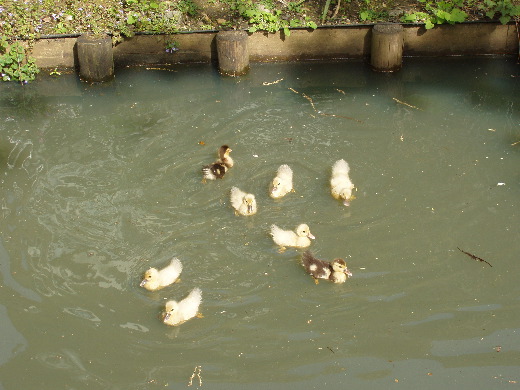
point(242, 202)
point(224, 157)
point(175, 313)
point(340, 185)
point(299, 239)
point(282, 183)
point(336, 271)
point(218, 169)
point(156, 279)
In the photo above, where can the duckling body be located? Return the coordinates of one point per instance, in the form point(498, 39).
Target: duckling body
point(340, 184)
point(336, 271)
point(155, 279)
point(175, 313)
point(214, 171)
point(282, 184)
point(301, 238)
point(242, 202)
point(218, 169)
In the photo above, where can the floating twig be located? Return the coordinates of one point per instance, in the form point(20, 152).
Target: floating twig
point(515, 143)
point(169, 70)
point(330, 349)
point(475, 257)
point(273, 82)
point(323, 113)
point(196, 373)
point(406, 104)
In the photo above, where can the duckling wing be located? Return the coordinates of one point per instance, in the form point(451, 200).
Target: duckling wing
point(237, 197)
point(317, 268)
point(283, 237)
point(285, 173)
point(170, 274)
point(189, 306)
point(340, 167)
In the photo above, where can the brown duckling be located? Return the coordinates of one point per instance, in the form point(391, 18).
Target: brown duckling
point(336, 271)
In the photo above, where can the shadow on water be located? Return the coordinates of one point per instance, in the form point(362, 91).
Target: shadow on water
point(101, 182)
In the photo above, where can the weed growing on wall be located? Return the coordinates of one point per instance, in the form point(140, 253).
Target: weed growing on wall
point(15, 64)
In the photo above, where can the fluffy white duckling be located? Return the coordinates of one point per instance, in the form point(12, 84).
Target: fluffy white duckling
point(218, 169)
point(340, 185)
point(336, 271)
point(175, 313)
point(242, 202)
point(155, 279)
point(282, 184)
point(301, 238)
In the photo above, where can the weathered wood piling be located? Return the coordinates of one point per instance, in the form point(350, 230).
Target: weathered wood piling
point(387, 47)
point(95, 57)
point(233, 52)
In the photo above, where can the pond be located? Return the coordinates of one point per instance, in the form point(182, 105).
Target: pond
point(99, 183)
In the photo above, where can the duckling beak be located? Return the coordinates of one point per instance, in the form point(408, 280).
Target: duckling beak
point(348, 273)
point(311, 236)
point(249, 208)
point(346, 202)
point(166, 316)
point(143, 282)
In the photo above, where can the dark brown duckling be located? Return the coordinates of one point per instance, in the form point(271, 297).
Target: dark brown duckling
point(336, 271)
point(218, 169)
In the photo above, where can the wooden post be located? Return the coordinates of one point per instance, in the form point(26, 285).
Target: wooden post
point(233, 52)
point(96, 59)
point(387, 47)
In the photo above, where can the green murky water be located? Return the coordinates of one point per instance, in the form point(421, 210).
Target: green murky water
point(99, 183)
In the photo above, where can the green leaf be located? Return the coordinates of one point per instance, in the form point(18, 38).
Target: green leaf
point(504, 19)
point(458, 15)
point(286, 31)
point(131, 19)
point(429, 25)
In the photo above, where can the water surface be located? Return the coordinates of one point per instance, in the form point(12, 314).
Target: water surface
point(98, 183)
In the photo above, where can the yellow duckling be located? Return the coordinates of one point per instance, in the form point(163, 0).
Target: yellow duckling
point(218, 169)
point(242, 202)
point(299, 239)
point(175, 313)
point(336, 271)
point(156, 279)
point(282, 184)
point(340, 185)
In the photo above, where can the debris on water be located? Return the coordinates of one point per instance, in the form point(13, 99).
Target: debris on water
point(475, 257)
point(273, 82)
point(406, 104)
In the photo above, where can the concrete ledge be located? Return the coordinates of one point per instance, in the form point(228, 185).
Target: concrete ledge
point(348, 42)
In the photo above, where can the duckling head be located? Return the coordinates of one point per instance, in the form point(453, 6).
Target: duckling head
point(304, 231)
point(339, 265)
point(275, 184)
point(170, 309)
point(224, 151)
point(150, 275)
point(346, 195)
point(249, 201)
